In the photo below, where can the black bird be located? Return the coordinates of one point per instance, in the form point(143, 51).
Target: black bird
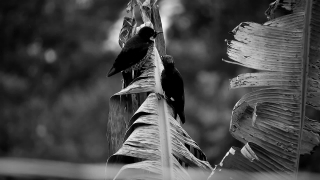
point(136, 50)
point(172, 85)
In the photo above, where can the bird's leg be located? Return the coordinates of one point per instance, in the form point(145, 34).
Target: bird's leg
point(169, 102)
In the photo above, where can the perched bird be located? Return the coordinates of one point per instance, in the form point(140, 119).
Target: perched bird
point(172, 85)
point(136, 50)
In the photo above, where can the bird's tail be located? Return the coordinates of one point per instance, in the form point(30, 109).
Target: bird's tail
point(112, 72)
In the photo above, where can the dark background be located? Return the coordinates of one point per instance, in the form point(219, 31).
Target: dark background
point(55, 54)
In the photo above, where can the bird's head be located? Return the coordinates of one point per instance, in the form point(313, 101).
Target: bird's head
point(167, 61)
point(148, 33)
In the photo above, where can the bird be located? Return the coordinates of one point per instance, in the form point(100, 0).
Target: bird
point(172, 85)
point(135, 51)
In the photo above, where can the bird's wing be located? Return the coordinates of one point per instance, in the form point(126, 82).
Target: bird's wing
point(180, 86)
point(133, 51)
point(180, 99)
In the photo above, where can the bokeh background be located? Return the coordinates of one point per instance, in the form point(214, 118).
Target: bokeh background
point(55, 54)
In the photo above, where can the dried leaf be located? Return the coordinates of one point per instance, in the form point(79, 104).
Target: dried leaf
point(127, 30)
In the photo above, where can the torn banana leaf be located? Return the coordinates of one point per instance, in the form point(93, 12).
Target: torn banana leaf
point(271, 119)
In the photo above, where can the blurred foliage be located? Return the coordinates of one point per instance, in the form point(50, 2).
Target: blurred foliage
point(54, 92)
point(53, 65)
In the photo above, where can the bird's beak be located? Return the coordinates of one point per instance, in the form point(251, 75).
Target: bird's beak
point(156, 33)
